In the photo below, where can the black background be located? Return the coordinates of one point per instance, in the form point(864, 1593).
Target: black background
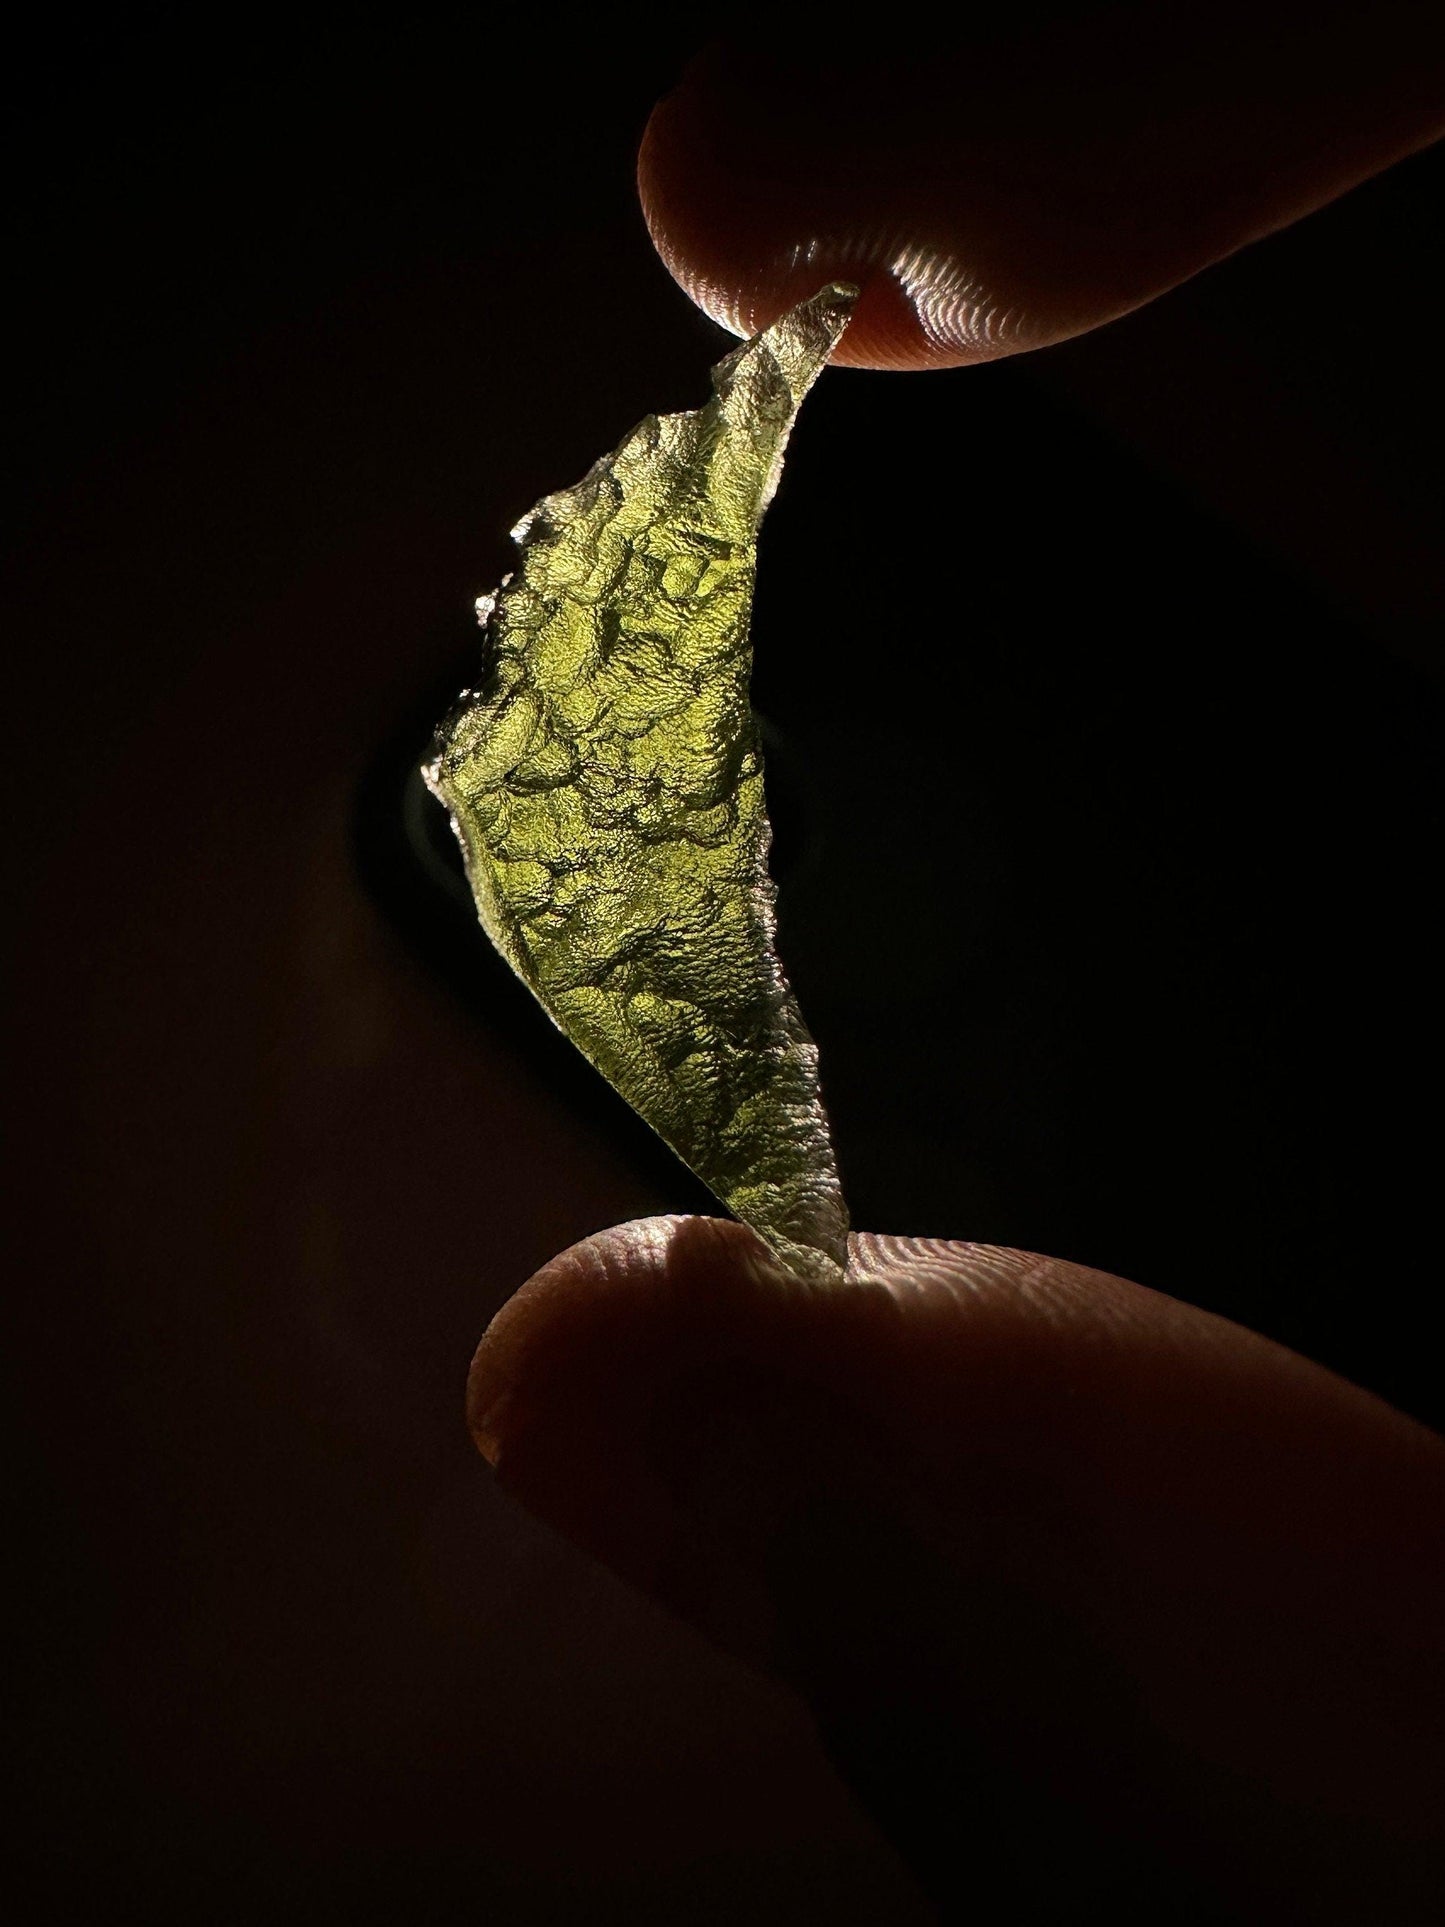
point(1103, 696)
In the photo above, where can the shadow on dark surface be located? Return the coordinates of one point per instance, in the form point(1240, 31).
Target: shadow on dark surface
point(1119, 942)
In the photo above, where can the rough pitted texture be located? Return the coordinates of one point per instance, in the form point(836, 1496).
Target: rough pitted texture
point(606, 784)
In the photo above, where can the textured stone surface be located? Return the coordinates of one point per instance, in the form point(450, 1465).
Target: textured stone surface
point(605, 781)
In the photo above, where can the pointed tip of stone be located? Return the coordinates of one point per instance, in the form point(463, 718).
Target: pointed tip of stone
point(807, 334)
point(832, 305)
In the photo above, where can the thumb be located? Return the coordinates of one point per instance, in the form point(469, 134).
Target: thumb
point(1085, 1588)
point(1028, 174)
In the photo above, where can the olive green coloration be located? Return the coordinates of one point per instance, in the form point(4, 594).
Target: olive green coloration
point(605, 782)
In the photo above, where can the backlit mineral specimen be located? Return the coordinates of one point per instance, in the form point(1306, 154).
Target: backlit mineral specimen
point(606, 784)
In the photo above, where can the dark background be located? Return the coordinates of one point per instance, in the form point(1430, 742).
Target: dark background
point(1104, 699)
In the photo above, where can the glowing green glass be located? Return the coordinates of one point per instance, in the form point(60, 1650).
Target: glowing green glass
point(605, 782)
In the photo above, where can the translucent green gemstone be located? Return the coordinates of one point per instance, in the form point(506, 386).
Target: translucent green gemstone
point(605, 781)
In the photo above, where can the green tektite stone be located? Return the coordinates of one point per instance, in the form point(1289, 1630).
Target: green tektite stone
point(606, 784)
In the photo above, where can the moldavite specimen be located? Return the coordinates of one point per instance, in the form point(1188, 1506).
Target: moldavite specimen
point(605, 782)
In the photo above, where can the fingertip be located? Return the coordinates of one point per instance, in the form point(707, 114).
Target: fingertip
point(746, 258)
point(597, 1319)
point(1014, 183)
point(588, 1388)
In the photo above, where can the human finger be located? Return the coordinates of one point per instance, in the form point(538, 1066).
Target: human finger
point(1023, 176)
point(1049, 1555)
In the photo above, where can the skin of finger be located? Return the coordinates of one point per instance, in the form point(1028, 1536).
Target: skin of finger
point(1006, 187)
point(1254, 1542)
